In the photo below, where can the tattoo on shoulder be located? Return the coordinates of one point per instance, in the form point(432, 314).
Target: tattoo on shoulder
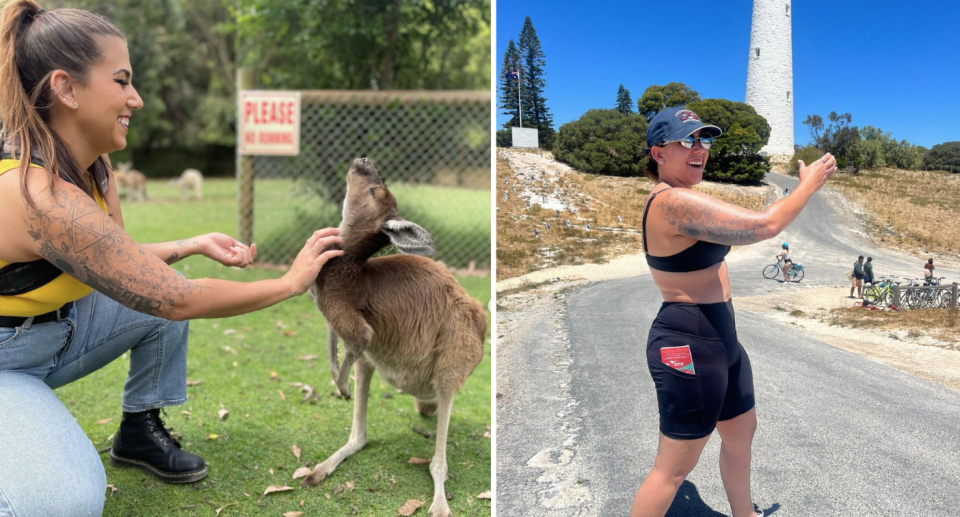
point(78, 237)
point(702, 221)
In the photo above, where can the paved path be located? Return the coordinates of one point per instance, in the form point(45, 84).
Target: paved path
point(839, 434)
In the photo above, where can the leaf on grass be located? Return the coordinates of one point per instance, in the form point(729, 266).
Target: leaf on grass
point(485, 495)
point(409, 507)
point(112, 488)
point(301, 472)
point(417, 461)
point(104, 421)
point(276, 488)
point(284, 397)
point(212, 436)
point(280, 325)
point(274, 377)
point(194, 383)
point(186, 414)
point(271, 471)
point(224, 506)
point(289, 333)
point(293, 514)
point(308, 358)
point(223, 413)
point(295, 449)
point(227, 348)
point(228, 332)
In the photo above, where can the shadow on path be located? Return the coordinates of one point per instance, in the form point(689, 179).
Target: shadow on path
point(688, 503)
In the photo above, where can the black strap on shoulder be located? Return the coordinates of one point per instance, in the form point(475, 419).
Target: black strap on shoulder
point(643, 223)
point(23, 277)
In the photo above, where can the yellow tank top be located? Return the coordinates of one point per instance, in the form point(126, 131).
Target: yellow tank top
point(44, 299)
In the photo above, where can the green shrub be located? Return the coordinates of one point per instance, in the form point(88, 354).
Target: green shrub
point(603, 141)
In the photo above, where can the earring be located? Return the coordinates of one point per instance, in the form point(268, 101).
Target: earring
point(74, 104)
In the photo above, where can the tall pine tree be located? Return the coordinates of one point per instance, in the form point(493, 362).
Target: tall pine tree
point(509, 85)
point(534, 103)
point(624, 104)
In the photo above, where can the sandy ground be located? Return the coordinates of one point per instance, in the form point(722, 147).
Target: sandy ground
point(919, 355)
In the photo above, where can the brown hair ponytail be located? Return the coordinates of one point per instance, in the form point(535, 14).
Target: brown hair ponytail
point(33, 44)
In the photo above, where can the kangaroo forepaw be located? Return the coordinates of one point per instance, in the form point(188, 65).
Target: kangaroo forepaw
point(344, 389)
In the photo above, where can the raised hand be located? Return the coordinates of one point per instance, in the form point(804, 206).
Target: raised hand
point(819, 171)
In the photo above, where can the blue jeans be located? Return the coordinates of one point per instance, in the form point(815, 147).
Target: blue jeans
point(48, 466)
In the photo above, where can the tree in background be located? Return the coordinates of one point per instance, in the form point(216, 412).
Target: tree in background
point(534, 103)
point(656, 98)
point(185, 53)
point(839, 138)
point(943, 157)
point(603, 141)
point(509, 85)
point(624, 103)
point(734, 155)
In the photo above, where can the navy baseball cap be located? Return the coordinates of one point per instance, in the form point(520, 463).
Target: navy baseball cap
point(675, 124)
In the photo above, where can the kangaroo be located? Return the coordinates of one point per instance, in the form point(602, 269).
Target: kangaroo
point(132, 181)
point(190, 179)
point(402, 315)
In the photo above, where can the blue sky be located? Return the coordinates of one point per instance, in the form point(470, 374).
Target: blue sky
point(891, 64)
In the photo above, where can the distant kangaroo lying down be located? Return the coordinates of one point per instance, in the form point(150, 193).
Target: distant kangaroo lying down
point(405, 316)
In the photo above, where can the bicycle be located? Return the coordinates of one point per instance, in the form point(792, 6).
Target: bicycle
point(925, 298)
point(795, 272)
point(877, 293)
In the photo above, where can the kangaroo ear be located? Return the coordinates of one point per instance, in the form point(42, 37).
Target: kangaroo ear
point(409, 237)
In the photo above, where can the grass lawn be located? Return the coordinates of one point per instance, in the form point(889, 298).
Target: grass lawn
point(248, 365)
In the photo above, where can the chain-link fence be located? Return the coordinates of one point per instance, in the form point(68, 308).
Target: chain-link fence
point(432, 149)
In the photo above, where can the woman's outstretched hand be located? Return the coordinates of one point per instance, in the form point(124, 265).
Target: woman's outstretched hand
point(303, 273)
point(818, 172)
point(226, 250)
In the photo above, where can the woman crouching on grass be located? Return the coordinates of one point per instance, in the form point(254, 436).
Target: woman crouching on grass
point(80, 291)
point(701, 372)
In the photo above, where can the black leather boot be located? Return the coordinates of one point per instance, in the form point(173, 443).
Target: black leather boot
point(142, 441)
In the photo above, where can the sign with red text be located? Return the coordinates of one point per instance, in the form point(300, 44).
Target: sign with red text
point(269, 123)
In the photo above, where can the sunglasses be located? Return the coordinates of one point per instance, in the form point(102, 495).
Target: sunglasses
point(690, 140)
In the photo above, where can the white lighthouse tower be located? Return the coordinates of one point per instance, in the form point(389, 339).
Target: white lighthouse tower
point(770, 74)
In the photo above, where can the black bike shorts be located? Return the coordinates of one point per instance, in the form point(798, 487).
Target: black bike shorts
point(722, 387)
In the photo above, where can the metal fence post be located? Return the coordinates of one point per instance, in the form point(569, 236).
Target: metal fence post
point(245, 81)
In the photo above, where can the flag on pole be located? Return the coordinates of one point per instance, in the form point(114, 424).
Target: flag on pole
point(513, 74)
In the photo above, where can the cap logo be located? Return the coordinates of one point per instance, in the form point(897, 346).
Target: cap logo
point(687, 116)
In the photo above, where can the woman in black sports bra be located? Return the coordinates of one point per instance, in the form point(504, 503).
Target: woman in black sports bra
point(701, 372)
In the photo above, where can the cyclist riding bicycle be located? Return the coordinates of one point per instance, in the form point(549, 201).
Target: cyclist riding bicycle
point(784, 256)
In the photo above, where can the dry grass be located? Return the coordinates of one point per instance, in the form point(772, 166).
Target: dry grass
point(917, 211)
point(520, 252)
point(939, 324)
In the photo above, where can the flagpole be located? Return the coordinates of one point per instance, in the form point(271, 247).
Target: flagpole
point(519, 102)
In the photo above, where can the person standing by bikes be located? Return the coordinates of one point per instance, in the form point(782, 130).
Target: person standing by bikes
point(868, 271)
point(928, 272)
point(857, 280)
point(784, 257)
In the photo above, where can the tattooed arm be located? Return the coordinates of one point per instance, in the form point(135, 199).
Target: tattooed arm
point(703, 217)
point(71, 231)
